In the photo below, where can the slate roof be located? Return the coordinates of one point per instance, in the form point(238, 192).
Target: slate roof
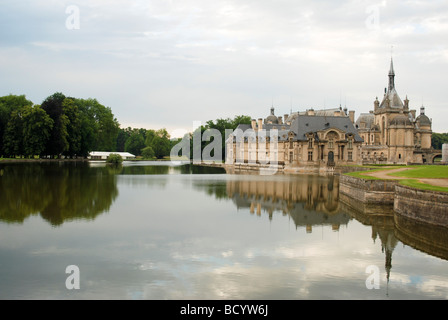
point(305, 124)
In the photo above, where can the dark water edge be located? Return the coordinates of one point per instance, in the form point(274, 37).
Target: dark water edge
point(151, 231)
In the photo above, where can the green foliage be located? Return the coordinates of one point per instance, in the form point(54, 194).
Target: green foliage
point(78, 192)
point(114, 158)
point(135, 143)
point(13, 140)
point(99, 127)
point(159, 141)
point(438, 139)
point(148, 153)
point(77, 126)
point(73, 127)
point(58, 142)
point(37, 126)
point(8, 104)
point(71, 111)
point(219, 124)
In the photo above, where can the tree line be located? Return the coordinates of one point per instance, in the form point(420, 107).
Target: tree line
point(158, 144)
point(60, 126)
point(147, 143)
point(71, 127)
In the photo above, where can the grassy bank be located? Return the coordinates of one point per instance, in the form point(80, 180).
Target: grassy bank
point(413, 174)
point(424, 172)
point(363, 175)
point(419, 185)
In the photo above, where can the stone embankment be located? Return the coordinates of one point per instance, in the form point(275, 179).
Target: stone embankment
point(426, 206)
point(422, 205)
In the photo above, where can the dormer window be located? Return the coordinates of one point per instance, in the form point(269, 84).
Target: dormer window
point(310, 142)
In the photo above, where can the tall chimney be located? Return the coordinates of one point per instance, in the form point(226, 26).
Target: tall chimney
point(254, 124)
point(280, 120)
point(260, 123)
point(351, 115)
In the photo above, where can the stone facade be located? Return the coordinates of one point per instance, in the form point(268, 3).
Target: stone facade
point(393, 133)
point(324, 138)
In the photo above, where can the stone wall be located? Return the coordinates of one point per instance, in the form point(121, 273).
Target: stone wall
point(422, 205)
point(368, 191)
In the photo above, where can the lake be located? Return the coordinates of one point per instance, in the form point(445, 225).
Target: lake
point(151, 230)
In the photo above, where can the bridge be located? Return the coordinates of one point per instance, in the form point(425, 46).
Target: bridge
point(431, 155)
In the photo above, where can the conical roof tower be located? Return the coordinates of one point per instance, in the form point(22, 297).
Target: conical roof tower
point(391, 98)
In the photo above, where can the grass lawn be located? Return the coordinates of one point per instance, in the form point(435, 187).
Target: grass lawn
point(414, 173)
point(362, 174)
point(429, 172)
point(418, 185)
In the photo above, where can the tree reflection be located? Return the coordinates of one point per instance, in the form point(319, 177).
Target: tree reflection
point(59, 193)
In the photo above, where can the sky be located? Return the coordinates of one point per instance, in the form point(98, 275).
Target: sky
point(171, 64)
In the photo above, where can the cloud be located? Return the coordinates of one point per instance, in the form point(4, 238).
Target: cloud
point(168, 63)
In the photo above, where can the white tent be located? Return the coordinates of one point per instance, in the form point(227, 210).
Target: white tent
point(102, 155)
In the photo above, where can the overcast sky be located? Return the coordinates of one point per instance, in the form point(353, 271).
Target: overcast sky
point(169, 63)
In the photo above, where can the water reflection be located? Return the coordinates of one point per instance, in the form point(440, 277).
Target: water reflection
point(308, 200)
point(207, 235)
point(392, 229)
point(58, 193)
point(158, 168)
point(427, 238)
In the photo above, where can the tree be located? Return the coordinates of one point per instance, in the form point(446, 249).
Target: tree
point(123, 135)
point(99, 128)
point(148, 153)
point(8, 104)
point(37, 126)
point(159, 141)
point(219, 124)
point(438, 139)
point(114, 158)
point(107, 127)
point(58, 142)
point(12, 139)
point(135, 143)
point(71, 111)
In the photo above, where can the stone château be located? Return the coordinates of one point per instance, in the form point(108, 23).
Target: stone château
point(391, 133)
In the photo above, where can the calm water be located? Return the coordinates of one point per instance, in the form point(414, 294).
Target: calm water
point(151, 231)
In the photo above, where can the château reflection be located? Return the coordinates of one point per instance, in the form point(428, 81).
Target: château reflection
point(308, 199)
point(391, 229)
point(59, 193)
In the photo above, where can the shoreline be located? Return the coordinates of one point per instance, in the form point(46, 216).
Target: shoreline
point(42, 160)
